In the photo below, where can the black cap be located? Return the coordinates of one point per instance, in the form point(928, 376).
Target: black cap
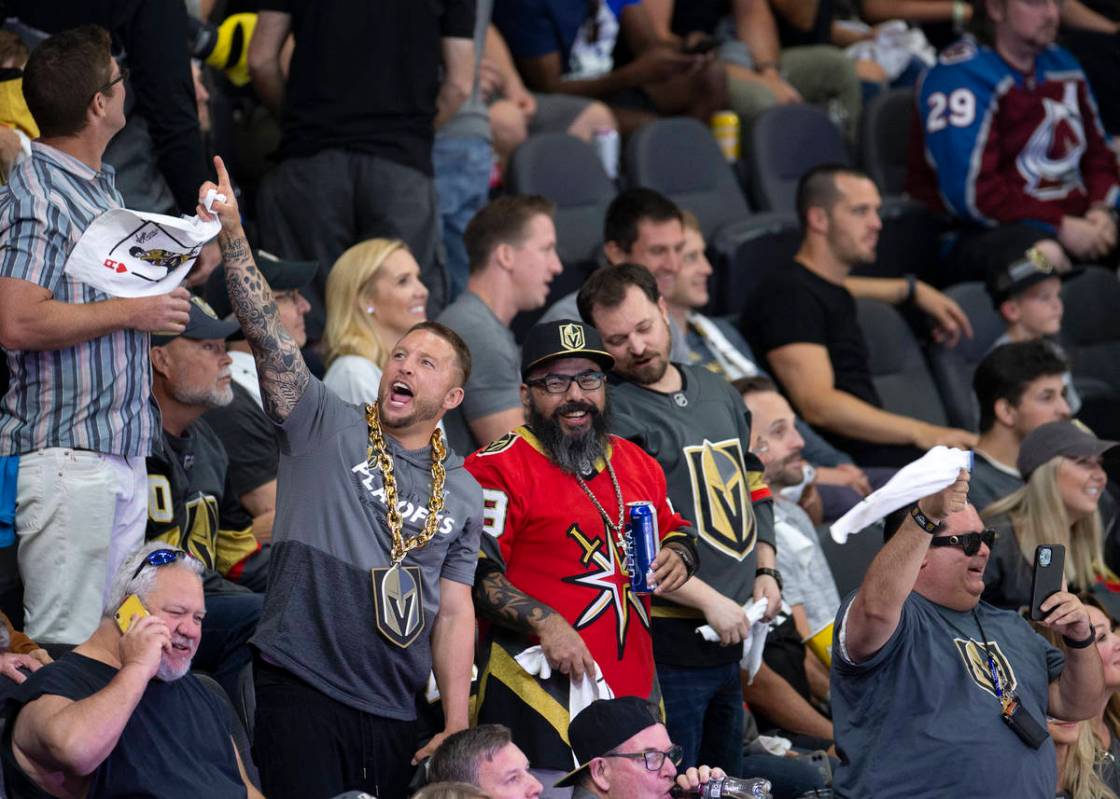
point(562, 338)
point(1052, 439)
point(602, 726)
point(203, 324)
point(281, 276)
point(1015, 278)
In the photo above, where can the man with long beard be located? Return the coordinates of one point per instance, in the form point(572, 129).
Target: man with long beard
point(553, 569)
point(98, 721)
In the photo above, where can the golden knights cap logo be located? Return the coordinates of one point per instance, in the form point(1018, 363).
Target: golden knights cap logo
point(976, 664)
point(398, 604)
point(571, 336)
point(721, 496)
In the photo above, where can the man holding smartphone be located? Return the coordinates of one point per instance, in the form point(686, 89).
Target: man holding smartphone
point(961, 689)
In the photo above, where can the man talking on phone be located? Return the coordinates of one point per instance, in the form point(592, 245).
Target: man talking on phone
point(959, 688)
point(99, 721)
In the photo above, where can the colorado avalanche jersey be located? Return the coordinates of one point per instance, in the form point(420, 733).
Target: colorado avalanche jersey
point(994, 145)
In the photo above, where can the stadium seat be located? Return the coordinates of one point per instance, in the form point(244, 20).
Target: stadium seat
point(566, 171)
point(764, 242)
point(884, 139)
point(679, 158)
point(898, 367)
point(246, 703)
point(1091, 327)
point(785, 142)
point(953, 367)
point(848, 562)
point(237, 730)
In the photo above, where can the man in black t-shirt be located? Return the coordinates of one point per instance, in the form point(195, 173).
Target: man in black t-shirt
point(358, 112)
point(99, 721)
point(808, 332)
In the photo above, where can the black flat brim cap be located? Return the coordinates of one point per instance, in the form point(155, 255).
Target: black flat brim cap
point(562, 338)
point(203, 324)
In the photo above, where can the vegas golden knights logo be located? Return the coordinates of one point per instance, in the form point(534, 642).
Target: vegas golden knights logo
point(398, 604)
point(571, 337)
point(976, 664)
point(721, 496)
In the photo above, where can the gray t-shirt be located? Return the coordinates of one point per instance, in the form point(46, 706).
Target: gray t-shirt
point(495, 383)
point(920, 718)
point(322, 620)
point(990, 481)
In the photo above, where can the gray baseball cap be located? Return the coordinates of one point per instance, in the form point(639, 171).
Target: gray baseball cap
point(1071, 439)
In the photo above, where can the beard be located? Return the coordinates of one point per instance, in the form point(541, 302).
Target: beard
point(647, 372)
point(789, 471)
point(170, 670)
point(574, 453)
point(214, 396)
point(422, 411)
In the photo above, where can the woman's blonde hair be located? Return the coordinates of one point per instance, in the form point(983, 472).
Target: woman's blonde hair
point(1038, 516)
point(349, 329)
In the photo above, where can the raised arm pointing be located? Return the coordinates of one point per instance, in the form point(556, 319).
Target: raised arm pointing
point(281, 369)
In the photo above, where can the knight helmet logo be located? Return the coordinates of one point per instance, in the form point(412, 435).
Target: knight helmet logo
point(571, 336)
point(721, 496)
point(976, 664)
point(398, 604)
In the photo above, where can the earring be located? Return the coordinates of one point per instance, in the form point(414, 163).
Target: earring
point(369, 310)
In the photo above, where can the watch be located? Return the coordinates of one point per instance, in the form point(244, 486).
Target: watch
point(763, 571)
point(923, 521)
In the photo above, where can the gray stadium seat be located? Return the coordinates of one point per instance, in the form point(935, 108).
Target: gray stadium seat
point(679, 158)
point(786, 141)
point(884, 138)
point(953, 367)
point(848, 562)
point(898, 366)
point(237, 730)
point(1091, 326)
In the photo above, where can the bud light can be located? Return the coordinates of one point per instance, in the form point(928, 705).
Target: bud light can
point(642, 546)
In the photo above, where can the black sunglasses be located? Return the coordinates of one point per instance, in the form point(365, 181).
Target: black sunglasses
point(969, 543)
point(160, 557)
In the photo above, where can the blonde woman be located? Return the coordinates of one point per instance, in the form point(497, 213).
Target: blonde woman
point(1061, 463)
point(374, 295)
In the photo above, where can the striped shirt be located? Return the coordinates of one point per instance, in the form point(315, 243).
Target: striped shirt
point(95, 395)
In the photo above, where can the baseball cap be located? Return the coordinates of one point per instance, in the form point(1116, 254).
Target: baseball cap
point(602, 726)
point(562, 338)
point(1018, 276)
point(203, 324)
point(281, 275)
point(1052, 439)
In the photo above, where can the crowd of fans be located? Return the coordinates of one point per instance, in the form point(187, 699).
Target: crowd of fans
point(318, 522)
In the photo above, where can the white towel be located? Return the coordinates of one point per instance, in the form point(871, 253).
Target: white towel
point(581, 693)
point(932, 472)
point(755, 641)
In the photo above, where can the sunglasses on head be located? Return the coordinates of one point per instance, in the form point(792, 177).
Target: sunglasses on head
point(969, 543)
point(160, 557)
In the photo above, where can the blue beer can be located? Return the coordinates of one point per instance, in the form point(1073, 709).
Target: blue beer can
point(642, 545)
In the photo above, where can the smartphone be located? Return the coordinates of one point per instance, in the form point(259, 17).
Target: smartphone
point(700, 47)
point(1049, 565)
point(132, 606)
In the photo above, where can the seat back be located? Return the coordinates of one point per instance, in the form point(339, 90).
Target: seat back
point(237, 730)
point(1091, 325)
point(953, 367)
point(679, 158)
point(897, 364)
point(761, 244)
point(848, 562)
point(786, 141)
point(884, 138)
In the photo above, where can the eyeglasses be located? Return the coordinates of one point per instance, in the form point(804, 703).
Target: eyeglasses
point(969, 543)
point(653, 760)
point(160, 557)
point(559, 384)
point(122, 75)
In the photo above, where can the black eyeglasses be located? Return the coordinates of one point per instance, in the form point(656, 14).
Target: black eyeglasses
point(122, 75)
point(160, 557)
point(969, 543)
point(559, 384)
point(653, 760)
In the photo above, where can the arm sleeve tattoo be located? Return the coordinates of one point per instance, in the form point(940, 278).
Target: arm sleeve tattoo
point(496, 598)
point(280, 366)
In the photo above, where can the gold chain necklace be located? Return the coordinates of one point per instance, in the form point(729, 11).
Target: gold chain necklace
point(613, 527)
point(378, 455)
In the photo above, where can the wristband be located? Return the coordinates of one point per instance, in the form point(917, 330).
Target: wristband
point(763, 571)
point(923, 521)
point(1081, 644)
point(686, 556)
point(911, 288)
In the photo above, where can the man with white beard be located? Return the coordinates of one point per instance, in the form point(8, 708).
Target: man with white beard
point(97, 722)
point(190, 503)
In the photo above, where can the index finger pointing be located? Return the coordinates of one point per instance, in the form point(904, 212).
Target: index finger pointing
point(220, 167)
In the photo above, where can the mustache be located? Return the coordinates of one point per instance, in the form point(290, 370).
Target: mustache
point(576, 406)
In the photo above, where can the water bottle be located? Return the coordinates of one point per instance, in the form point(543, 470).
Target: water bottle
point(727, 788)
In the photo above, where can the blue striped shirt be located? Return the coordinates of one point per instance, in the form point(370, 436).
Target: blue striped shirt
point(95, 395)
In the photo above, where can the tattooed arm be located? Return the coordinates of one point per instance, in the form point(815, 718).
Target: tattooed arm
point(499, 600)
point(281, 369)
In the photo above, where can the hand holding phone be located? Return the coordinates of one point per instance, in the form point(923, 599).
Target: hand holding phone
point(132, 606)
point(1049, 566)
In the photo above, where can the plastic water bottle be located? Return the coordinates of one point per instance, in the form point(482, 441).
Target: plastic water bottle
point(727, 788)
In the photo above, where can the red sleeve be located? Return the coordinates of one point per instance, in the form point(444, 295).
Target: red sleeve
point(501, 506)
